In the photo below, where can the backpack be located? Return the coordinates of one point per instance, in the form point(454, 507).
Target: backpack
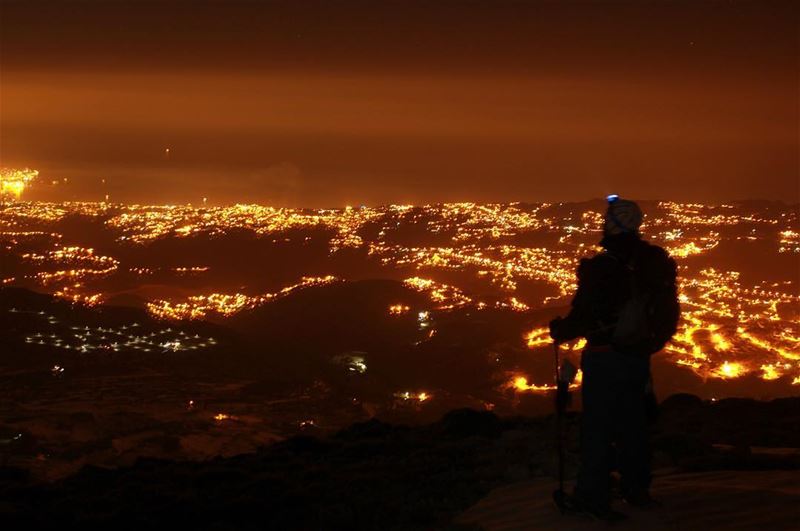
point(649, 318)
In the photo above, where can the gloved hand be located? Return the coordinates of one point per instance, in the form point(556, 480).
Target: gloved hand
point(555, 328)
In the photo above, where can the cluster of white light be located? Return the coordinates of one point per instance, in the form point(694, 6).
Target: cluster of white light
point(124, 338)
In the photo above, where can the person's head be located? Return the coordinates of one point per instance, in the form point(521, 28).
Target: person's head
point(622, 216)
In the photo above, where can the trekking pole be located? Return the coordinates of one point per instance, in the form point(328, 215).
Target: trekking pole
point(559, 406)
point(565, 375)
point(559, 495)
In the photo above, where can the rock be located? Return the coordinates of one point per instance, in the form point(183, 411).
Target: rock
point(371, 429)
point(680, 402)
point(517, 472)
point(468, 422)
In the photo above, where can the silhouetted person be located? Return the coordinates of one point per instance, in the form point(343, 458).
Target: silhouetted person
point(626, 307)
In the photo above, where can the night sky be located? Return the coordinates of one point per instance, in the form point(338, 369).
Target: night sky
point(325, 104)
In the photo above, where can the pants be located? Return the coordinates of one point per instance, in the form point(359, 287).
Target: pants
point(614, 417)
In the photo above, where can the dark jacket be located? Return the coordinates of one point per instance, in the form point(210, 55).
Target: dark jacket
point(604, 285)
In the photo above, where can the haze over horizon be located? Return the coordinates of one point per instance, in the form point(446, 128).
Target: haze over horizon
point(355, 103)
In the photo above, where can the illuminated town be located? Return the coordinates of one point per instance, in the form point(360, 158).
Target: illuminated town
point(13, 182)
point(517, 257)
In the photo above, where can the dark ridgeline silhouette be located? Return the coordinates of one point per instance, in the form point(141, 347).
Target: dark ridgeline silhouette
point(626, 307)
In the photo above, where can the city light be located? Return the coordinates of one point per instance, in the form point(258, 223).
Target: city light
point(13, 182)
point(730, 327)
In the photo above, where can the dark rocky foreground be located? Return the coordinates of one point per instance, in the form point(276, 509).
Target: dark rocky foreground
point(729, 500)
point(374, 475)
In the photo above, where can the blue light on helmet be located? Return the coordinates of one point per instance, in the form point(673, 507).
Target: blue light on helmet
point(611, 198)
